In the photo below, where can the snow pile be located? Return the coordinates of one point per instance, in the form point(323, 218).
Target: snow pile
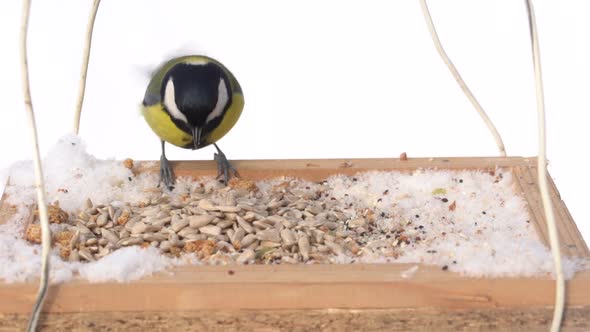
point(470, 222)
point(72, 175)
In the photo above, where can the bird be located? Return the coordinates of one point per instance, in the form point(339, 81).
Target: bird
point(192, 102)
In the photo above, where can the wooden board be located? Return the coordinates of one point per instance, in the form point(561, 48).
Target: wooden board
point(363, 287)
point(336, 320)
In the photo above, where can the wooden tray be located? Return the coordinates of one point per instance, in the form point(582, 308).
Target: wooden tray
point(285, 297)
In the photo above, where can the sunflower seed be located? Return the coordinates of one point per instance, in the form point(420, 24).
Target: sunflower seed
point(224, 245)
point(331, 225)
point(227, 208)
point(245, 225)
point(289, 260)
point(222, 237)
point(249, 216)
point(288, 237)
point(138, 228)
point(102, 220)
point(151, 211)
point(194, 237)
point(188, 230)
point(268, 244)
point(336, 248)
point(231, 216)
point(237, 237)
point(322, 248)
point(162, 222)
point(129, 241)
point(269, 235)
point(152, 228)
point(253, 245)
point(74, 239)
point(224, 223)
point(102, 252)
point(261, 224)
point(314, 209)
point(130, 223)
point(124, 234)
point(165, 246)
point(318, 236)
point(276, 204)
point(179, 224)
point(303, 243)
point(210, 230)
point(248, 240)
point(74, 256)
point(86, 255)
point(150, 237)
point(83, 216)
point(359, 222)
point(200, 221)
point(84, 230)
point(207, 205)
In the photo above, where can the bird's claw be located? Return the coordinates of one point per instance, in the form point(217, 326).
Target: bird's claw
point(224, 167)
point(166, 174)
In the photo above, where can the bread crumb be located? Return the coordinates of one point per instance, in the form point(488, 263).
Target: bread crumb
point(63, 238)
point(128, 163)
point(122, 220)
point(238, 183)
point(33, 233)
point(55, 213)
point(204, 248)
point(189, 247)
point(64, 253)
point(175, 251)
point(453, 206)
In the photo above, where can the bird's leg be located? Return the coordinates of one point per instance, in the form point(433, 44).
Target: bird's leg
point(166, 175)
point(224, 167)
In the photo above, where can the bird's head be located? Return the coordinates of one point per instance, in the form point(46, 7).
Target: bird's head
point(196, 94)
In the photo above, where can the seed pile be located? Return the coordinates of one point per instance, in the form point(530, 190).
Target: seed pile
point(288, 222)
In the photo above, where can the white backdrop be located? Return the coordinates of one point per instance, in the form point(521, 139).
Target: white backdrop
point(322, 79)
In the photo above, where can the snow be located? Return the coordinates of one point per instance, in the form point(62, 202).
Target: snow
point(487, 232)
point(69, 166)
point(471, 222)
point(127, 264)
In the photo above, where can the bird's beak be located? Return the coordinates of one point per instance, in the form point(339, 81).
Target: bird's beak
point(196, 137)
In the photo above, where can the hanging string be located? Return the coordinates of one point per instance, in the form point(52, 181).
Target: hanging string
point(542, 173)
point(460, 80)
point(84, 70)
point(39, 183)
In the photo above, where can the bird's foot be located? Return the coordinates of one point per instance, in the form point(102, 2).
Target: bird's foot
point(224, 167)
point(166, 175)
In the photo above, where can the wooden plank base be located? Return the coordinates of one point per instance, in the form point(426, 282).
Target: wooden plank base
point(430, 319)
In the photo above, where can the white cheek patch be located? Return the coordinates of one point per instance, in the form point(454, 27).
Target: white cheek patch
point(170, 102)
point(222, 99)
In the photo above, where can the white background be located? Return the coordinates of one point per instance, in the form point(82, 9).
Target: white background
point(322, 79)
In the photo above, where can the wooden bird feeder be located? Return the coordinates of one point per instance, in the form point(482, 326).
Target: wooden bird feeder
point(310, 297)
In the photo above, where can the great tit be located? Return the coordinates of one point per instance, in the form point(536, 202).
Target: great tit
point(192, 102)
